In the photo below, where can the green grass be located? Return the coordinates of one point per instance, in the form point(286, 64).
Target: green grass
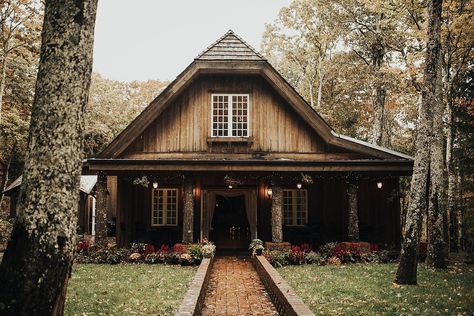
point(368, 289)
point(127, 289)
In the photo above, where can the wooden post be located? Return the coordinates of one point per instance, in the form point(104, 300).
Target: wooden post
point(188, 212)
point(277, 213)
point(353, 224)
point(101, 211)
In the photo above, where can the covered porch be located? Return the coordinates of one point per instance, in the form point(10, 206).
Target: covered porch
point(297, 203)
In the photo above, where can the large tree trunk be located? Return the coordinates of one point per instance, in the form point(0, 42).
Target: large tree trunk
point(38, 260)
point(353, 225)
point(406, 273)
point(436, 256)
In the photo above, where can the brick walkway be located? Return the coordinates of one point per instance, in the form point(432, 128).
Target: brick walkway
point(236, 289)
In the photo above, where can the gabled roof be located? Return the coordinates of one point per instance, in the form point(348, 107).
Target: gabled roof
point(230, 54)
point(86, 185)
point(230, 47)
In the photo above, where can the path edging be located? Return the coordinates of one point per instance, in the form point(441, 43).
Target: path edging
point(286, 301)
point(194, 298)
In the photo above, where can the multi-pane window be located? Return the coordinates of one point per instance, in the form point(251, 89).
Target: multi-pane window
point(164, 207)
point(295, 207)
point(230, 115)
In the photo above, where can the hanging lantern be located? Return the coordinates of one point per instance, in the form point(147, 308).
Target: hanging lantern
point(299, 185)
point(155, 185)
point(379, 184)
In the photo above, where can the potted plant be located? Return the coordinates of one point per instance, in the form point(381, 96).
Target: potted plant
point(256, 246)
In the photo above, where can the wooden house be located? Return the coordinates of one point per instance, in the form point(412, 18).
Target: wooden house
point(229, 151)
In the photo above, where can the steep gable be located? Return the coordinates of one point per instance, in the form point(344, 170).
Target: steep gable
point(231, 55)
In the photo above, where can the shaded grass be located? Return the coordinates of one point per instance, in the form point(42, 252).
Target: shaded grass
point(127, 289)
point(367, 289)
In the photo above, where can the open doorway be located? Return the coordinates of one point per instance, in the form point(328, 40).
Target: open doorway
point(230, 226)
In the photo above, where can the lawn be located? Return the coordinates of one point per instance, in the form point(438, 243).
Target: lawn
point(367, 289)
point(127, 289)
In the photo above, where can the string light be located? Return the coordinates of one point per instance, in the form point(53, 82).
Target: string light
point(379, 184)
point(155, 185)
point(299, 185)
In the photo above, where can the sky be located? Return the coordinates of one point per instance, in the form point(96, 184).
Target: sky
point(157, 39)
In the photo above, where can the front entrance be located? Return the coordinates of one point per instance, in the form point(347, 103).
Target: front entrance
point(230, 227)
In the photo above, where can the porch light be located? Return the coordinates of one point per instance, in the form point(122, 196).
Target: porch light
point(299, 185)
point(230, 186)
point(155, 185)
point(379, 184)
point(269, 191)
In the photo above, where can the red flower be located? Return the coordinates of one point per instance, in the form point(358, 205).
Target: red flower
point(164, 248)
point(305, 247)
point(149, 248)
point(83, 246)
point(179, 248)
point(295, 249)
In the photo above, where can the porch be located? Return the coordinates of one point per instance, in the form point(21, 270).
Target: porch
point(231, 208)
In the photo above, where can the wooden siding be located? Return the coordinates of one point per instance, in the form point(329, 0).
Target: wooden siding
point(186, 124)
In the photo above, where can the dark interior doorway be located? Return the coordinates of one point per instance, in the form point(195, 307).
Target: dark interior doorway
point(230, 227)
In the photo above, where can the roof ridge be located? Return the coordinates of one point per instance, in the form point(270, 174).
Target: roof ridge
point(230, 32)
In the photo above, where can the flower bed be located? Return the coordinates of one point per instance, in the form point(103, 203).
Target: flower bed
point(184, 254)
point(330, 253)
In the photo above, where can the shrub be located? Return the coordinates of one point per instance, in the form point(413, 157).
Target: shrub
point(313, 257)
point(335, 261)
point(327, 249)
point(138, 247)
point(277, 258)
point(109, 256)
point(254, 243)
point(179, 248)
point(149, 249)
point(152, 258)
point(208, 250)
point(195, 252)
point(296, 256)
point(186, 259)
point(305, 247)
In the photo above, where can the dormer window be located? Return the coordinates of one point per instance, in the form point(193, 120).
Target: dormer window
point(230, 115)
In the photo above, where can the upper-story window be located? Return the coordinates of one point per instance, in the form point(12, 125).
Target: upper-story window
point(230, 115)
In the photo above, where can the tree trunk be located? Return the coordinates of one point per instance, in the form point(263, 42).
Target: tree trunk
point(353, 225)
point(379, 109)
point(436, 257)
point(3, 78)
point(311, 93)
point(451, 173)
point(406, 273)
point(101, 192)
point(277, 213)
point(38, 259)
point(459, 219)
point(188, 213)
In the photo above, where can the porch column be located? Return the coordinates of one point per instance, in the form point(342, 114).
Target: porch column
point(188, 210)
point(353, 224)
point(101, 211)
point(277, 213)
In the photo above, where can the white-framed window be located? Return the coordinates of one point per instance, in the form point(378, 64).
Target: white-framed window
point(230, 115)
point(164, 207)
point(295, 207)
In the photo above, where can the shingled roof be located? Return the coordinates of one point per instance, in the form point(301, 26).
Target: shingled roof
point(230, 47)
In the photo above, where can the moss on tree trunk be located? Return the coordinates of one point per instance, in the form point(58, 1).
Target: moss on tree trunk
point(37, 263)
point(407, 268)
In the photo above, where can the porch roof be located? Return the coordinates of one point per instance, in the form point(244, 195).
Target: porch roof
point(401, 167)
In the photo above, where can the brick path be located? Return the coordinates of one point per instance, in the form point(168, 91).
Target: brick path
point(235, 289)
